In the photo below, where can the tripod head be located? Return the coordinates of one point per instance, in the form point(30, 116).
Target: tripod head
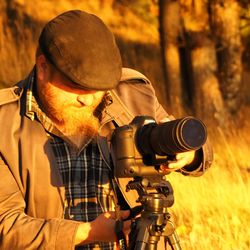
point(152, 185)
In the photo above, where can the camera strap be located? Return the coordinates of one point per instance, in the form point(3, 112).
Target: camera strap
point(121, 239)
point(117, 197)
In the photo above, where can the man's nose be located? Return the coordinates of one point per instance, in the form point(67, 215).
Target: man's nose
point(86, 100)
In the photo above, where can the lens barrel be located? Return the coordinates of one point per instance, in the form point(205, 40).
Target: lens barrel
point(171, 137)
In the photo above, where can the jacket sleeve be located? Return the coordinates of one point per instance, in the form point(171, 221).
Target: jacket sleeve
point(20, 231)
point(203, 161)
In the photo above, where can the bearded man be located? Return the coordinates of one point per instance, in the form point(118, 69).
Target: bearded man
point(56, 190)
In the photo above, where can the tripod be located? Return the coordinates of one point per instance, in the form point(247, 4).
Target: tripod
point(154, 222)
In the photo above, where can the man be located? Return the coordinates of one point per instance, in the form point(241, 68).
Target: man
point(56, 191)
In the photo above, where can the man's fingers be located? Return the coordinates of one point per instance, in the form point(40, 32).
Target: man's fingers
point(124, 214)
point(126, 226)
point(178, 164)
point(182, 160)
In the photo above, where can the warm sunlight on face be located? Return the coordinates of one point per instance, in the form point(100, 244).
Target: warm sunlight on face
point(68, 106)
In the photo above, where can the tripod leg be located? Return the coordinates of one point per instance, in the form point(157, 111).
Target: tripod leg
point(142, 235)
point(173, 241)
point(153, 243)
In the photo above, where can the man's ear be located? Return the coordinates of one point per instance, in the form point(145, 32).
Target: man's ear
point(42, 67)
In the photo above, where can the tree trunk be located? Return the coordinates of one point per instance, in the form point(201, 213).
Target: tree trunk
point(18, 34)
point(206, 96)
point(226, 26)
point(169, 20)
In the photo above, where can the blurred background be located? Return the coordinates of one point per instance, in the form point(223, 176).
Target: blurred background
point(197, 55)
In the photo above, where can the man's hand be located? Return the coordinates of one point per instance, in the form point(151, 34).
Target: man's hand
point(182, 160)
point(102, 229)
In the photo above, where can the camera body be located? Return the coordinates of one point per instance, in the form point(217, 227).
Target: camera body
point(138, 149)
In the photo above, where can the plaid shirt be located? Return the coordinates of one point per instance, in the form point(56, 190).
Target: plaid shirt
point(85, 175)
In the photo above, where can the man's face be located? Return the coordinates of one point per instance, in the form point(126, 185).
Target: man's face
point(69, 107)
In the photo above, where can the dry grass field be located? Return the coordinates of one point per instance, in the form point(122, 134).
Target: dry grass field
point(213, 211)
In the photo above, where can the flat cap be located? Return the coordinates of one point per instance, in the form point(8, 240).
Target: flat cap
point(81, 46)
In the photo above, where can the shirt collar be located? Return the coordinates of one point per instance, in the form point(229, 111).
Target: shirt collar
point(33, 111)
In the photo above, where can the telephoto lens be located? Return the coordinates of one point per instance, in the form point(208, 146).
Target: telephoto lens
point(171, 137)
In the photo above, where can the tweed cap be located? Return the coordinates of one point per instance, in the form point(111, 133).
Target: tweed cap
point(81, 46)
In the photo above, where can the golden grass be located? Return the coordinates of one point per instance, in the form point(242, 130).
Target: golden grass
point(213, 211)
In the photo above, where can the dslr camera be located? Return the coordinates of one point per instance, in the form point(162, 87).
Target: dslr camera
point(138, 149)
